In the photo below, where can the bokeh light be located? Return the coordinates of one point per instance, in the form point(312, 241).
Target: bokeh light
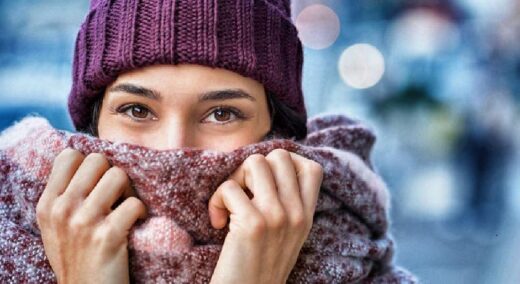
point(485, 9)
point(426, 33)
point(432, 193)
point(361, 66)
point(318, 26)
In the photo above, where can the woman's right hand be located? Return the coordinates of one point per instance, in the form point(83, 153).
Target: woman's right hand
point(84, 238)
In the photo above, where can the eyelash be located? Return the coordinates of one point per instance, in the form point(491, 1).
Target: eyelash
point(234, 111)
point(125, 108)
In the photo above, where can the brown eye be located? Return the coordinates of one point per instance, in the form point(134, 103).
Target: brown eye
point(139, 112)
point(222, 115)
point(136, 112)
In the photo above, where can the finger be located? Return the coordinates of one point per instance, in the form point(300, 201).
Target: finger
point(114, 185)
point(284, 172)
point(87, 176)
point(229, 198)
point(310, 175)
point(64, 167)
point(258, 177)
point(126, 214)
point(255, 174)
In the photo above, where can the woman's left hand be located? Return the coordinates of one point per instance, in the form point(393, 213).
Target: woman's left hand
point(267, 232)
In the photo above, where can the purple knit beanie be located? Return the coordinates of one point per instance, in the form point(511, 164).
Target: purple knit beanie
point(255, 38)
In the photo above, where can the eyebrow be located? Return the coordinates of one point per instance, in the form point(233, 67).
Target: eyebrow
point(218, 95)
point(226, 94)
point(136, 90)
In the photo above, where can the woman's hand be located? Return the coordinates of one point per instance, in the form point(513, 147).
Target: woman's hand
point(266, 232)
point(84, 239)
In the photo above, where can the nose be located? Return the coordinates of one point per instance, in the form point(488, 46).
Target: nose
point(172, 135)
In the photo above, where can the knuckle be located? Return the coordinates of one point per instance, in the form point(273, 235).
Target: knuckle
point(118, 174)
point(105, 234)
point(68, 154)
point(278, 220)
point(96, 158)
point(61, 210)
point(254, 159)
point(299, 222)
point(257, 227)
point(110, 235)
point(279, 153)
point(229, 185)
point(79, 223)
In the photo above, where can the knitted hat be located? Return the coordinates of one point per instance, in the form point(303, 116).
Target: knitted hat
point(255, 38)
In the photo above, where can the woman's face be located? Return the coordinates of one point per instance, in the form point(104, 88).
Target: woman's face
point(173, 106)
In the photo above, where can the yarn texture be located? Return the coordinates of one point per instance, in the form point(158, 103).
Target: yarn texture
point(349, 241)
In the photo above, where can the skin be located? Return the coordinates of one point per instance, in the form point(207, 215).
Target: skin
point(80, 220)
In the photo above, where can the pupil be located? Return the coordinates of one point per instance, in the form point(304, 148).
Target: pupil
point(138, 112)
point(222, 115)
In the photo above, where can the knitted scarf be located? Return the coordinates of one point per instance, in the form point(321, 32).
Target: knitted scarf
point(348, 241)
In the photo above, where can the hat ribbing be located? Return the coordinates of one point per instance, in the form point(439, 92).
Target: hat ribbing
point(255, 38)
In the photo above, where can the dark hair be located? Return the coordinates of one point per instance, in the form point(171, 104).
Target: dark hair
point(285, 122)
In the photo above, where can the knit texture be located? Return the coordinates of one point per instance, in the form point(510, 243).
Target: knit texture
point(348, 242)
point(255, 38)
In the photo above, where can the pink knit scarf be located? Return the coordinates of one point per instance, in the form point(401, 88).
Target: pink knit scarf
point(348, 241)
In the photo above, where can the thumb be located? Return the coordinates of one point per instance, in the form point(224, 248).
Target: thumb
point(229, 199)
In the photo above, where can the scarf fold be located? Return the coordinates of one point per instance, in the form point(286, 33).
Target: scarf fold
point(348, 243)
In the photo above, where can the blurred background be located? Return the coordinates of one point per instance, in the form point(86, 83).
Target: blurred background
point(438, 81)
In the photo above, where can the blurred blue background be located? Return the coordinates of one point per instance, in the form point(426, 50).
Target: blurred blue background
point(437, 80)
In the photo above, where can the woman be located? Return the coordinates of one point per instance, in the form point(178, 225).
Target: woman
point(178, 74)
point(187, 97)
